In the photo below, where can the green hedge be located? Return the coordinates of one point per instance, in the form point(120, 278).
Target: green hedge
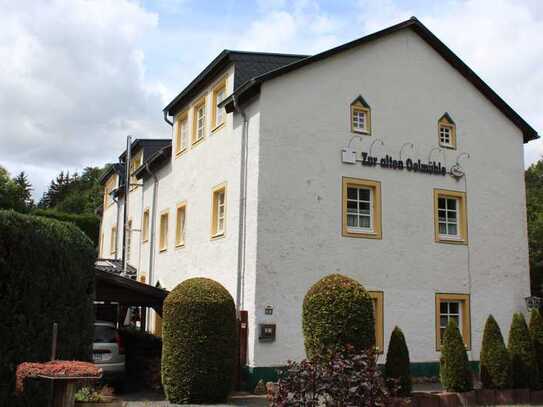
point(87, 222)
point(337, 310)
point(495, 359)
point(454, 370)
point(46, 276)
point(397, 364)
point(199, 335)
point(523, 359)
point(536, 332)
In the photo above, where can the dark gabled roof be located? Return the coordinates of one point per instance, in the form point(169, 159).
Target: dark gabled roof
point(247, 65)
point(111, 169)
point(252, 86)
point(156, 161)
point(149, 146)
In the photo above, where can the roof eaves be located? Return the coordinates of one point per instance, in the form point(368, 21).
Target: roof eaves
point(252, 85)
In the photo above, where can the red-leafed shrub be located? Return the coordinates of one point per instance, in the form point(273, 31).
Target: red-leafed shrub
point(57, 368)
point(348, 378)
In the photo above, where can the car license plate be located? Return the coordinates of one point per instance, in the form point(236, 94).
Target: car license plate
point(97, 357)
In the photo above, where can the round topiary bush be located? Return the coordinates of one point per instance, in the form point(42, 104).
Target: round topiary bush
point(521, 349)
point(495, 360)
point(199, 342)
point(397, 371)
point(536, 332)
point(454, 368)
point(337, 311)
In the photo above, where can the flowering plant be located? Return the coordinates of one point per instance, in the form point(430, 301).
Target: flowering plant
point(55, 368)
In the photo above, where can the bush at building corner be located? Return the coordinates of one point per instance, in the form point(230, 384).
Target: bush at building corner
point(199, 338)
point(495, 359)
point(46, 276)
point(337, 311)
point(536, 332)
point(397, 364)
point(521, 349)
point(454, 368)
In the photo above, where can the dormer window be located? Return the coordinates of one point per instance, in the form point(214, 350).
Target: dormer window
point(446, 132)
point(360, 116)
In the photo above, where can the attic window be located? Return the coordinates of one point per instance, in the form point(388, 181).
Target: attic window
point(360, 116)
point(446, 132)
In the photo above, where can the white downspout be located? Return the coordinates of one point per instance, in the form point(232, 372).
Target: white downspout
point(242, 227)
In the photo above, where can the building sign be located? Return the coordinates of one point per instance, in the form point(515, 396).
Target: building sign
point(349, 156)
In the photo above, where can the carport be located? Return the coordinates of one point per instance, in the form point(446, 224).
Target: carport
point(125, 291)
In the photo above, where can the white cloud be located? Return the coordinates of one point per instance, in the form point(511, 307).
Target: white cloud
point(72, 84)
point(501, 40)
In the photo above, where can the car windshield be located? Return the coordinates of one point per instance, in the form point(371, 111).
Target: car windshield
point(104, 334)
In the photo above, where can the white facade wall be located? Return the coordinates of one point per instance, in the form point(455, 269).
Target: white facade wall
point(304, 125)
point(109, 219)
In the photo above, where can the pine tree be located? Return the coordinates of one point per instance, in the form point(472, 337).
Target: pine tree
point(521, 349)
point(495, 359)
point(25, 189)
point(397, 364)
point(536, 332)
point(454, 366)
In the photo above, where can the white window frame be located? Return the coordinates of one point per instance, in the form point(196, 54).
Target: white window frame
point(356, 122)
point(358, 229)
point(447, 221)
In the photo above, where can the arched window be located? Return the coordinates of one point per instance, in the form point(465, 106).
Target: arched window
point(360, 116)
point(446, 132)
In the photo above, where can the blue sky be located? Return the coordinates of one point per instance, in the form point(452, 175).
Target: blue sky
point(77, 76)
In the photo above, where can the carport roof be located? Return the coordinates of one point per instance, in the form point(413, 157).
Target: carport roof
point(113, 287)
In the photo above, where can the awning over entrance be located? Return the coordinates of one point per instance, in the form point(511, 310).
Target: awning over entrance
point(112, 287)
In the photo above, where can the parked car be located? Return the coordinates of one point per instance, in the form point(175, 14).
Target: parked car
point(108, 351)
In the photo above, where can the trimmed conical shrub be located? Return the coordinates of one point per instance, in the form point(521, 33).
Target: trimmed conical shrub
point(199, 341)
point(397, 364)
point(536, 332)
point(454, 367)
point(495, 360)
point(337, 311)
point(521, 349)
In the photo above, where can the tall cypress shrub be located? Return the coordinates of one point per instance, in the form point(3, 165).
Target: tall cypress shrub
point(495, 359)
point(454, 367)
point(536, 332)
point(46, 276)
point(521, 349)
point(397, 364)
point(337, 311)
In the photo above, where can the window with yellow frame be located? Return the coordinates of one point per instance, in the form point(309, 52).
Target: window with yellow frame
point(145, 225)
point(218, 114)
point(135, 163)
point(218, 211)
point(456, 307)
point(163, 231)
point(181, 132)
point(199, 118)
point(377, 298)
point(110, 185)
point(450, 220)
point(446, 132)
point(360, 116)
point(361, 208)
point(113, 240)
point(180, 224)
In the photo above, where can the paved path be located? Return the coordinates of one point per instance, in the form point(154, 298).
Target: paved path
point(157, 400)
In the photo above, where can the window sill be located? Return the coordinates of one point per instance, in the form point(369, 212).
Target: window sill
point(180, 152)
point(447, 147)
point(451, 241)
point(180, 245)
point(364, 132)
point(217, 236)
point(196, 142)
point(217, 127)
point(145, 241)
point(163, 250)
point(364, 235)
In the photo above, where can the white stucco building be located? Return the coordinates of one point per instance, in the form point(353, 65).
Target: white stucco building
point(386, 159)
